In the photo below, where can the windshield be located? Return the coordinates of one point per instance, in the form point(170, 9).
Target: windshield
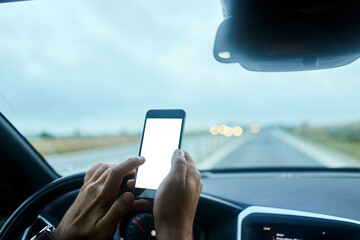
point(77, 78)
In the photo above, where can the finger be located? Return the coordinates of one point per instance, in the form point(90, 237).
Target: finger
point(178, 164)
point(192, 170)
point(142, 205)
point(189, 159)
point(190, 162)
point(132, 173)
point(91, 171)
point(192, 173)
point(104, 175)
point(118, 209)
point(99, 172)
point(187, 156)
point(130, 184)
point(117, 173)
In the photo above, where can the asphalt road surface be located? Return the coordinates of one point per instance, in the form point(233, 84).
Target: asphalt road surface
point(269, 148)
point(266, 150)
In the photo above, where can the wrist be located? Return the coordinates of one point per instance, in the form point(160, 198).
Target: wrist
point(59, 234)
point(174, 233)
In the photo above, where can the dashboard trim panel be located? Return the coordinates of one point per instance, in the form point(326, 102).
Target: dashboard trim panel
point(220, 201)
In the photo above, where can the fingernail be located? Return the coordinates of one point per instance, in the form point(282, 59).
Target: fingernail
point(141, 159)
point(180, 153)
point(127, 198)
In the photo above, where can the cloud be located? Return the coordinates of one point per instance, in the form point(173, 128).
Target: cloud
point(98, 67)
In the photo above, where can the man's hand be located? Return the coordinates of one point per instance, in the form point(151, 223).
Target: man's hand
point(97, 209)
point(176, 199)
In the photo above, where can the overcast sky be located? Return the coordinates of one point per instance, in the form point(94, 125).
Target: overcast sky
point(98, 66)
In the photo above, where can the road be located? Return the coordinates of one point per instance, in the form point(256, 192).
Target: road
point(269, 148)
point(266, 150)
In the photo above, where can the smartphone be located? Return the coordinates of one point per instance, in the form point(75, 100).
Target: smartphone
point(162, 134)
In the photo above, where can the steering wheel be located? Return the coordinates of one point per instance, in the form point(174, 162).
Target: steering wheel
point(29, 210)
point(27, 213)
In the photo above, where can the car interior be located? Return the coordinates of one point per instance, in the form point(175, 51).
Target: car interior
point(243, 202)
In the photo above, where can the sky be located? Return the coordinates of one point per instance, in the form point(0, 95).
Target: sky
point(96, 67)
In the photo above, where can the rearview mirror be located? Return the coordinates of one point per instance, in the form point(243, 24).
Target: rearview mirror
point(277, 35)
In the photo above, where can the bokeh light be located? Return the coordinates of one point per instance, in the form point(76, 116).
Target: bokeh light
point(221, 129)
point(255, 128)
point(228, 131)
point(237, 131)
point(214, 130)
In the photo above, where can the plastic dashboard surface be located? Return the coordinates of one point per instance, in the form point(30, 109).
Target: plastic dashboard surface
point(330, 193)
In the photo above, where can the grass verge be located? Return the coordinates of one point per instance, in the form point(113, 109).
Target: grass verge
point(49, 146)
point(322, 136)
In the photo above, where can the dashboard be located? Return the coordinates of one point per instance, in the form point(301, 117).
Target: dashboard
point(253, 223)
point(259, 206)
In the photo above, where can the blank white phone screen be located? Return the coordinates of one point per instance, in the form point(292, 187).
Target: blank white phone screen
point(161, 138)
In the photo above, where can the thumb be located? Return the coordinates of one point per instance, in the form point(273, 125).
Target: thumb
point(119, 208)
point(178, 163)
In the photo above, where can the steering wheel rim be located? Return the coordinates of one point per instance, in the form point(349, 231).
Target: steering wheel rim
point(29, 210)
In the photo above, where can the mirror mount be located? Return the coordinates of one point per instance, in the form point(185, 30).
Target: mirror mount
point(264, 35)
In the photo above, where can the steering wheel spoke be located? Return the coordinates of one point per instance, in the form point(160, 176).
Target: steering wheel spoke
point(36, 227)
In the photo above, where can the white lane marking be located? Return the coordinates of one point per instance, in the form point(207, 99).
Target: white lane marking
point(211, 161)
point(321, 154)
